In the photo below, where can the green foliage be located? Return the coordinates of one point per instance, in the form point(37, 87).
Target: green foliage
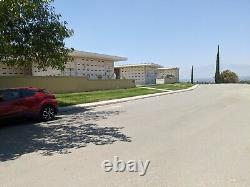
point(228, 76)
point(31, 31)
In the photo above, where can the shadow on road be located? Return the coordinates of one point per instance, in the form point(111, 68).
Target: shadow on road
point(71, 130)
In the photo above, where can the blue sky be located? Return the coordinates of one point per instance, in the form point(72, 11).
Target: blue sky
point(169, 32)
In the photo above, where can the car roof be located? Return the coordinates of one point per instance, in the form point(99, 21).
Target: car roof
point(20, 88)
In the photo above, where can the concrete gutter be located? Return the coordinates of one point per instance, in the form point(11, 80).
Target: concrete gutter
point(163, 90)
point(114, 101)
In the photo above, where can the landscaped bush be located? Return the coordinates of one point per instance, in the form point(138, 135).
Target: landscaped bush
point(228, 76)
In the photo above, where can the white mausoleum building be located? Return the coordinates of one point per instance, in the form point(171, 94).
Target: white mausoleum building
point(84, 64)
point(141, 73)
point(14, 71)
point(167, 75)
point(144, 74)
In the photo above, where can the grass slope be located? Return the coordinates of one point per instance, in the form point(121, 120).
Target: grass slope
point(94, 96)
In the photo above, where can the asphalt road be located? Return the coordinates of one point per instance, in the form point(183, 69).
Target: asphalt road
point(196, 138)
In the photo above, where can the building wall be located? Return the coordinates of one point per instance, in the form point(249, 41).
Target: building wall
point(168, 74)
point(136, 73)
point(147, 74)
point(60, 84)
point(142, 74)
point(166, 80)
point(13, 71)
point(150, 74)
point(177, 75)
point(81, 67)
point(47, 72)
point(93, 68)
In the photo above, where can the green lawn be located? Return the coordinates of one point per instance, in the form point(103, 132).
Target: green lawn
point(94, 96)
point(88, 97)
point(176, 86)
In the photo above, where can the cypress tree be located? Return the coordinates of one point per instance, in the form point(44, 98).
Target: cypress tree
point(217, 72)
point(192, 75)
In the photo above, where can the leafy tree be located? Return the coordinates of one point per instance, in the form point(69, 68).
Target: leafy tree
point(192, 75)
point(228, 76)
point(217, 73)
point(31, 31)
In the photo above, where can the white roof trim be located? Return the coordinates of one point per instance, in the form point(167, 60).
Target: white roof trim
point(97, 56)
point(167, 68)
point(137, 65)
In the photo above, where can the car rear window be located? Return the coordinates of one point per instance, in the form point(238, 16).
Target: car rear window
point(9, 95)
point(1, 95)
point(27, 92)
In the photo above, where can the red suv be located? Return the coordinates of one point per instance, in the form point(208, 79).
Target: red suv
point(29, 102)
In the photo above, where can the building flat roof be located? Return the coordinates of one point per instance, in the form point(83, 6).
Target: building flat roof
point(137, 65)
point(97, 56)
point(168, 68)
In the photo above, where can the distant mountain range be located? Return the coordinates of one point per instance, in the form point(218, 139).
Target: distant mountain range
point(245, 78)
point(206, 73)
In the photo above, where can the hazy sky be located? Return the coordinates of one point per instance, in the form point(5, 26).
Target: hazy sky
point(169, 32)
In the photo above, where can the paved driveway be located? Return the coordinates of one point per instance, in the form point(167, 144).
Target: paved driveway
point(196, 138)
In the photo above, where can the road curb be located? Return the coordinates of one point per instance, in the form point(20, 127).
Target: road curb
point(114, 101)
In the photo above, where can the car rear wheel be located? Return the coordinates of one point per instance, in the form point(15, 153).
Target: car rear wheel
point(47, 113)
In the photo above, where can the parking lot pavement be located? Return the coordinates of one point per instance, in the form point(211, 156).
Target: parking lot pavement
point(196, 138)
point(70, 130)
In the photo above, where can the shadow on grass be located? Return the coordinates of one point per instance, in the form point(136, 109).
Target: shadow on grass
point(72, 130)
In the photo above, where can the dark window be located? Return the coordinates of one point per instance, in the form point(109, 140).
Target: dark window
point(10, 95)
point(1, 96)
point(27, 93)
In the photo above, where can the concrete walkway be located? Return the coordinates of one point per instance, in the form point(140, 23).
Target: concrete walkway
point(151, 88)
